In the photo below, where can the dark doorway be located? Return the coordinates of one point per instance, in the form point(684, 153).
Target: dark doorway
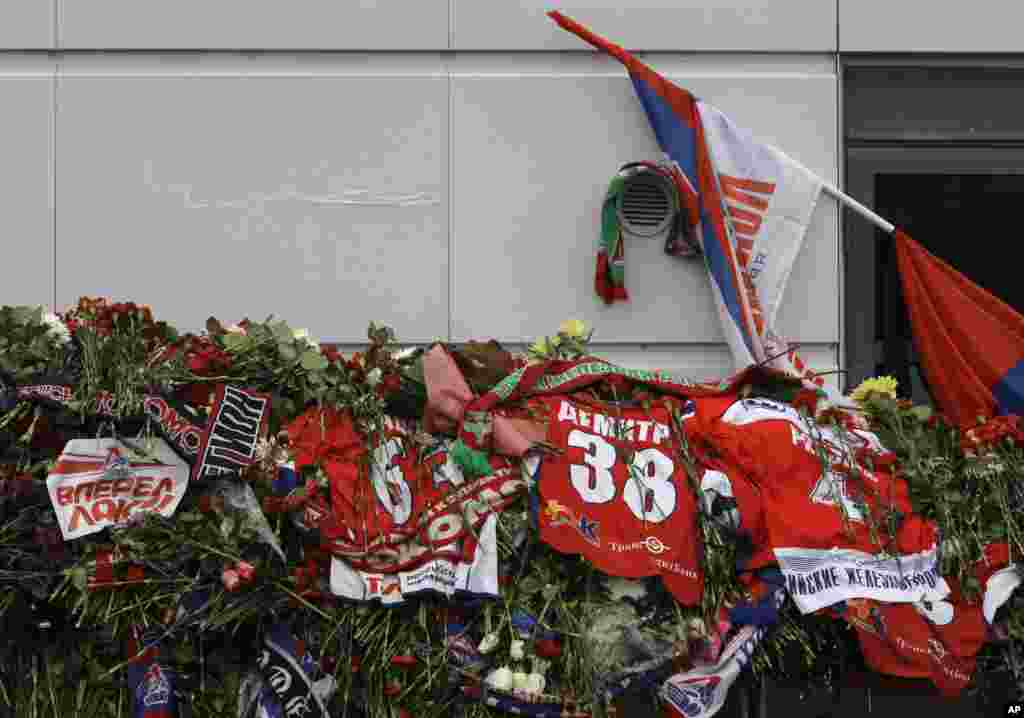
point(968, 221)
point(959, 202)
point(939, 151)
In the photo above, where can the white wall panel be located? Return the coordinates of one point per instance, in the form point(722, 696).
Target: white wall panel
point(531, 158)
point(929, 26)
point(320, 197)
point(26, 226)
point(678, 25)
point(255, 24)
point(27, 24)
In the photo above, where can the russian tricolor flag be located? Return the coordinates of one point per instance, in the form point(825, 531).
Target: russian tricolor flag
point(675, 119)
point(971, 343)
point(750, 203)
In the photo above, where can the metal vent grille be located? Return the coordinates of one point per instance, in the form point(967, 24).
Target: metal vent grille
point(647, 204)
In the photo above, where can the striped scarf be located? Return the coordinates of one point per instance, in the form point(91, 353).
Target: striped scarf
point(610, 279)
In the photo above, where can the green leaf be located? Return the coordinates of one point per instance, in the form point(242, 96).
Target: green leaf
point(923, 413)
point(282, 332)
point(287, 350)
point(79, 578)
point(288, 407)
point(312, 360)
point(235, 342)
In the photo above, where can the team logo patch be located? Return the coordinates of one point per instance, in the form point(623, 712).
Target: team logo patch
point(588, 529)
point(655, 545)
point(560, 515)
point(156, 689)
point(693, 696)
point(864, 614)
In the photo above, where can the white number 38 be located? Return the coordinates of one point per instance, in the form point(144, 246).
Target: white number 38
point(649, 491)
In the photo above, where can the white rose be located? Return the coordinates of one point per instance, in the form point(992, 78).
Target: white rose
point(520, 680)
point(516, 650)
point(236, 329)
point(535, 683)
point(373, 376)
point(500, 679)
point(488, 643)
point(56, 328)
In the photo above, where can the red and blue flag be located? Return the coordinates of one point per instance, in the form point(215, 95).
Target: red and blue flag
point(676, 122)
point(750, 204)
point(971, 343)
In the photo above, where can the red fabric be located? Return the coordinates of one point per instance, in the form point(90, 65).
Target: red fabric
point(898, 640)
point(763, 440)
point(967, 338)
point(448, 396)
point(627, 524)
point(603, 285)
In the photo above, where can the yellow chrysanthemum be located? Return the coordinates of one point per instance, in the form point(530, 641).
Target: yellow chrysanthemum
point(573, 328)
point(883, 385)
point(539, 347)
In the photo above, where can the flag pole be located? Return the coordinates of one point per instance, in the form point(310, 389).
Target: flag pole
point(887, 227)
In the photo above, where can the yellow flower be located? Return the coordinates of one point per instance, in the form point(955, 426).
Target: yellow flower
point(539, 347)
point(575, 328)
point(884, 385)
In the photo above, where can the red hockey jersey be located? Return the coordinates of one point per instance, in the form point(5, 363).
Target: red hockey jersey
point(618, 495)
point(934, 639)
point(826, 513)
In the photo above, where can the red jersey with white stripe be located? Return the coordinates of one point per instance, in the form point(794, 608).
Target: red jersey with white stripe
point(937, 639)
point(803, 472)
point(618, 495)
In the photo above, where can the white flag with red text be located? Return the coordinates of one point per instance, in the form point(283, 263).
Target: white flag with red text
point(768, 199)
point(751, 205)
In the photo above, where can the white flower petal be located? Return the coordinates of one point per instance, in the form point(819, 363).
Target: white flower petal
point(500, 679)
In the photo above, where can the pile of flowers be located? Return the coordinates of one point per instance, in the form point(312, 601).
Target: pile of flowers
point(188, 608)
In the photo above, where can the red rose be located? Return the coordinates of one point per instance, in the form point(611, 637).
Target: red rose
point(548, 648)
point(404, 661)
point(246, 571)
point(230, 579)
point(391, 383)
point(806, 399)
point(330, 353)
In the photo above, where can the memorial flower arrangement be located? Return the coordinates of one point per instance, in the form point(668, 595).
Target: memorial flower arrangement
point(243, 519)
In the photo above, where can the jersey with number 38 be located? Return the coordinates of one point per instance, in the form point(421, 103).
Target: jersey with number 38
point(618, 495)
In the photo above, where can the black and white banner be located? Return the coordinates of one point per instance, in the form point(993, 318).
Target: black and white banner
point(238, 419)
point(279, 663)
point(817, 578)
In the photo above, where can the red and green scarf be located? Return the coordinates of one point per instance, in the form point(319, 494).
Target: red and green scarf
point(610, 279)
